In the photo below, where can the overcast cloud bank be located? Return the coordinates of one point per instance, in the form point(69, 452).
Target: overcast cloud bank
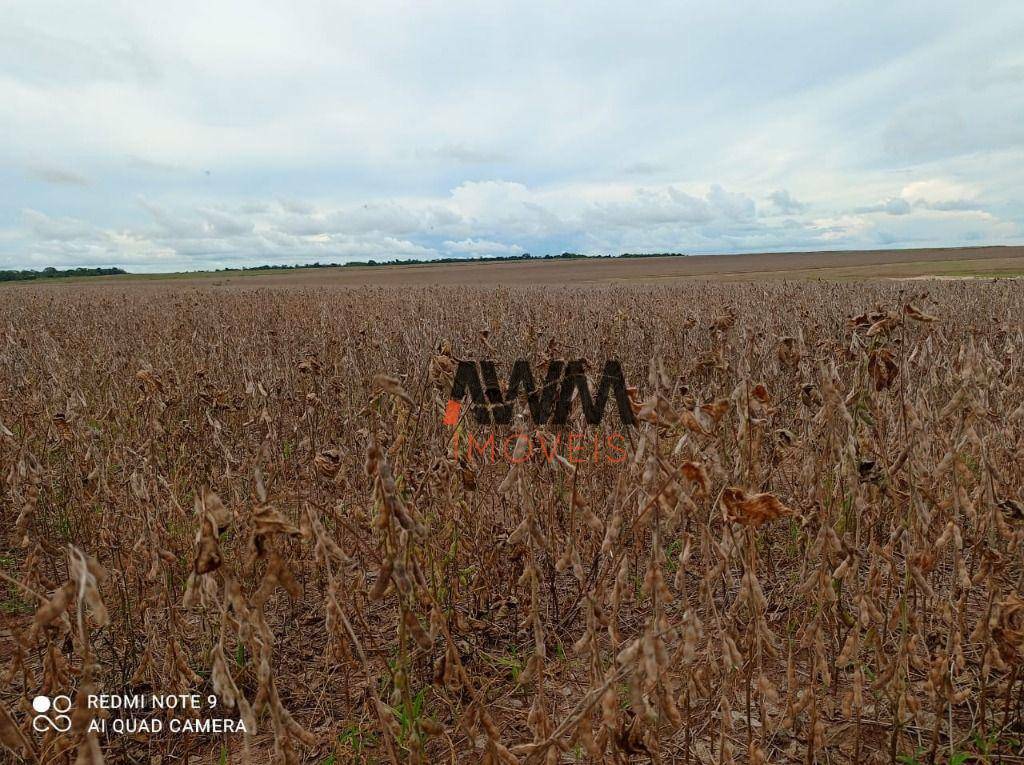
point(163, 137)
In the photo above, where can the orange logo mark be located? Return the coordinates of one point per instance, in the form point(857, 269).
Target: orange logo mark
point(451, 413)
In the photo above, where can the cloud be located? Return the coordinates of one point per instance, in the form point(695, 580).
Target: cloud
point(786, 204)
point(950, 204)
point(49, 229)
point(171, 224)
point(942, 195)
point(891, 206)
point(67, 242)
point(58, 176)
point(36, 55)
point(142, 164)
point(222, 224)
point(937, 190)
point(297, 206)
point(644, 168)
point(843, 228)
point(481, 247)
point(490, 218)
point(668, 205)
point(464, 154)
point(293, 132)
point(732, 204)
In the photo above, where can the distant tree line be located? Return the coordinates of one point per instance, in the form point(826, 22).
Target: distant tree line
point(53, 273)
point(653, 255)
point(483, 259)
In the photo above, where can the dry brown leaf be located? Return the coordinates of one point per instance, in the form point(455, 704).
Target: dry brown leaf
point(916, 314)
point(56, 605)
point(698, 475)
point(752, 509)
point(716, 409)
point(11, 735)
point(327, 462)
point(882, 368)
point(1009, 631)
point(881, 326)
point(393, 387)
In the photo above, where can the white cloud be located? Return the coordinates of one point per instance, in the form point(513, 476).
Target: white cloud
point(731, 204)
point(58, 176)
point(460, 152)
point(940, 194)
point(890, 206)
point(48, 229)
point(785, 202)
point(478, 247)
point(935, 190)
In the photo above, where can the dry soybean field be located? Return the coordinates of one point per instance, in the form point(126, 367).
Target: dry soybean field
point(807, 548)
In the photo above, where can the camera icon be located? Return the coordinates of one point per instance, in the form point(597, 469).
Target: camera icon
point(60, 721)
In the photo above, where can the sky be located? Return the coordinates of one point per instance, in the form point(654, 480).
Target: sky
point(192, 135)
